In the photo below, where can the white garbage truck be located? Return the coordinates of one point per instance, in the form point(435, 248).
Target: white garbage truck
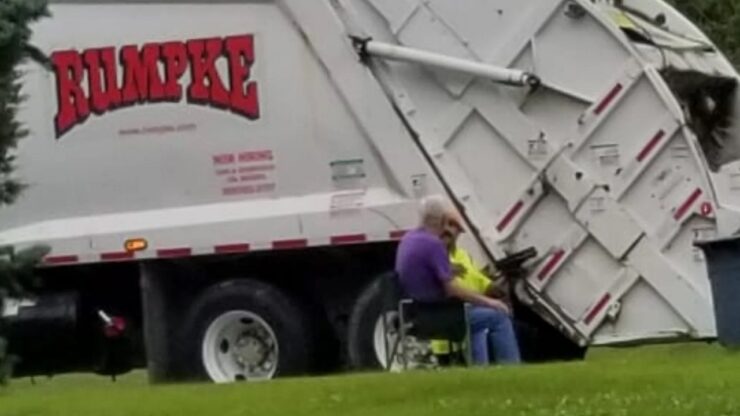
point(220, 183)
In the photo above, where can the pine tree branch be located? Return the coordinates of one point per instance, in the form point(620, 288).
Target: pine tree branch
point(16, 269)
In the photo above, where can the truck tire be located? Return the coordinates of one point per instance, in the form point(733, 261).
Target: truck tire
point(364, 346)
point(246, 330)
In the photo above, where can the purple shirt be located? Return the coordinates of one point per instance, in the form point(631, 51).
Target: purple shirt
point(423, 266)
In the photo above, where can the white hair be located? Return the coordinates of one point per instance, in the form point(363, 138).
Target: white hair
point(433, 210)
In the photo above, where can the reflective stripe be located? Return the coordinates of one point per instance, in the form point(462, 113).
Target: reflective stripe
point(509, 217)
point(597, 309)
point(604, 104)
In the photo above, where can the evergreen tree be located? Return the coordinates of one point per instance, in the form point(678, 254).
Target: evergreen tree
point(15, 17)
point(720, 20)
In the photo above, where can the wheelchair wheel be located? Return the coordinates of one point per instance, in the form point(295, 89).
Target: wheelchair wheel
point(366, 343)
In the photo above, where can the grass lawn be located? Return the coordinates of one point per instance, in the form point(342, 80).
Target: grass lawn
point(665, 380)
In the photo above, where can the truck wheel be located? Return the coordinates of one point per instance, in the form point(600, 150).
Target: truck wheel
point(366, 343)
point(366, 347)
point(245, 330)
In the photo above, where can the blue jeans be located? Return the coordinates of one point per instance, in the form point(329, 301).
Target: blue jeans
point(492, 328)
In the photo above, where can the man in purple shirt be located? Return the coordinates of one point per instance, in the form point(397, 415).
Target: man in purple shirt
point(426, 275)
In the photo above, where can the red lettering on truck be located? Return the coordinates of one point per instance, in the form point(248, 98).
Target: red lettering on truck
point(101, 65)
point(89, 81)
point(141, 81)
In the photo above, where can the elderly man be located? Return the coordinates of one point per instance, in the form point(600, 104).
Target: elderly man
point(426, 275)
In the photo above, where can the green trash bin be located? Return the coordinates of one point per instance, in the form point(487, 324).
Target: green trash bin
point(723, 265)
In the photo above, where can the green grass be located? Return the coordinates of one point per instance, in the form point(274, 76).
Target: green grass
point(664, 380)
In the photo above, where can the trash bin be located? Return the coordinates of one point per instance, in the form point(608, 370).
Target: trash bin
point(723, 264)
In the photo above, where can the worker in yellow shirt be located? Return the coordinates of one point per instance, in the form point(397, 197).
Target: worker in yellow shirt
point(470, 276)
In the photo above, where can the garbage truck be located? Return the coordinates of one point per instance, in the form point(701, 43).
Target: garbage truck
point(220, 184)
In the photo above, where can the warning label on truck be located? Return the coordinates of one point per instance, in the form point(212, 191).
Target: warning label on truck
point(245, 173)
point(606, 155)
point(347, 202)
point(734, 179)
point(537, 149)
point(348, 173)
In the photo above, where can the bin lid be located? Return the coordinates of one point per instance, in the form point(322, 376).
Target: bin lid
point(709, 242)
